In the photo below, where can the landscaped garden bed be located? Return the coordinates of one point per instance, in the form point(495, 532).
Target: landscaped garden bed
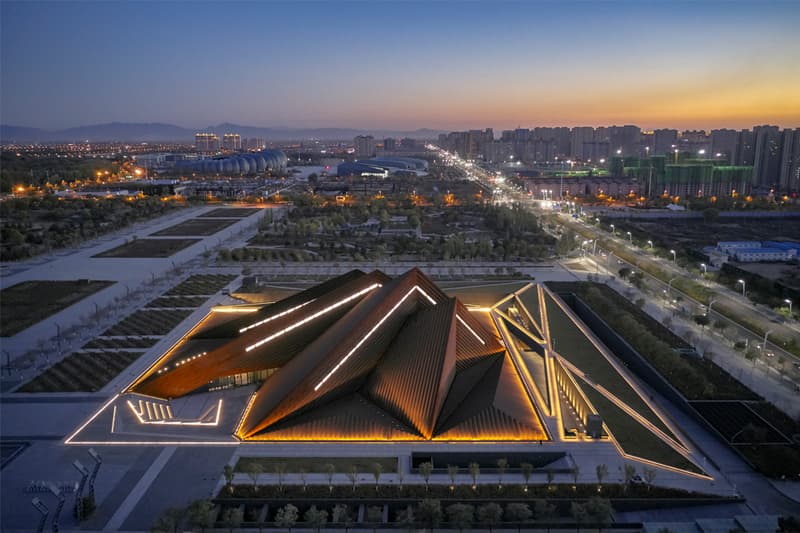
point(196, 227)
point(148, 248)
point(177, 302)
point(24, 304)
point(150, 322)
point(232, 212)
point(81, 372)
point(201, 285)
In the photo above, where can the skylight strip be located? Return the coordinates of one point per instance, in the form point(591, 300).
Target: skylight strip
point(284, 313)
point(470, 329)
point(312, 317)
point(374, 328)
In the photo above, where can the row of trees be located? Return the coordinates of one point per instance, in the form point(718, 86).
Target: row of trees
point(255, 469)
point(428, 513)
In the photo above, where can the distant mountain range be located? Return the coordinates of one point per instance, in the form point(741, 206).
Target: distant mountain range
point(155, 132)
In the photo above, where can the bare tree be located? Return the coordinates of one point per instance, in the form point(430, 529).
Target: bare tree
point(527, 470)
point(425, 470)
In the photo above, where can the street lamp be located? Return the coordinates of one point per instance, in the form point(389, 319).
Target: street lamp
point(669, 287)
point(674, 255)
point(630, 237)
point(743, 285)
point(766, 334)
point(650, 243)
point(704, 267)
point(710, 303)
point(788, 301)
point(613, 231)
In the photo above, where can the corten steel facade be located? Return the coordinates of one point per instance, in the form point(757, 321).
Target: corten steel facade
point(362, 357)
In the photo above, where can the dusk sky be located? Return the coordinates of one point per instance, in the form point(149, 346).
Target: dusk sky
point(444, 65)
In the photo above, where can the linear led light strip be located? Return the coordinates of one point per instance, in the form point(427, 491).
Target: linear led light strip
point(374, 328)
point(470, 329)
point(140, 417)
point(284, 313)
point(312, 317)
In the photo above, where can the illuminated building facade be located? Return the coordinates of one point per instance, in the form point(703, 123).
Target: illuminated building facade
point(368, 358)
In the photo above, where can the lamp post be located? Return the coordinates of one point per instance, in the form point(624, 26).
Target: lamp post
point(743, 285)
point(788, 301)
point(710, 303)
point(669, 287)
point(630, 237)
point(674, 256)
point(704, 267)
point(613, 231)
point(766, 334)
point(650, 244)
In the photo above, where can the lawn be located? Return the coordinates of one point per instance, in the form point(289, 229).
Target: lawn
point(150, 248)
point(29, 302)
point(231, 212)
point(196, 226)
point(317, 465)
point(737, 423)
point(81, 372)
point(634, 438)
point(570, 343)
point(696, 378)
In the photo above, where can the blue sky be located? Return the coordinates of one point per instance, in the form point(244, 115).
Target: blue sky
point(400, 65)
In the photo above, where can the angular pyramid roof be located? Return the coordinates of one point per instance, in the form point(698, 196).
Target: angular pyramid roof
point(360, 357)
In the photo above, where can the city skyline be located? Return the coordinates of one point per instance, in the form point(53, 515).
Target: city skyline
point(401, 66)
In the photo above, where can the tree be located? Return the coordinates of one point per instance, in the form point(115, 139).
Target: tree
point(544, 511)
point(702, 321)
point(374, 514)
point(599, 511)
point(227, 472)
point(425, 470)
point(460, 515)
point(429, 513)
point(254, 469)
point(280, 471)
point(316, 518)
point(527, 470)
point(341, 515)
point(550, 476)
point(502, 465)
point(710, 215)
point(330, 471)
point(400, 477)
point(490, 515)
point(201, 514)
point(169, 520)
point(629, 471)
point(406, 519)
point(602, 471)
point(474, 472)
point(352, 475)
point(566, 243)
point(452, 472)
point(624, 272)
point(304, 478)
point(576, 472)
point(649, 475)
point(578, 513)
point(377, 470)
point(518, 512)
point(232, 517)
point(286, 516)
